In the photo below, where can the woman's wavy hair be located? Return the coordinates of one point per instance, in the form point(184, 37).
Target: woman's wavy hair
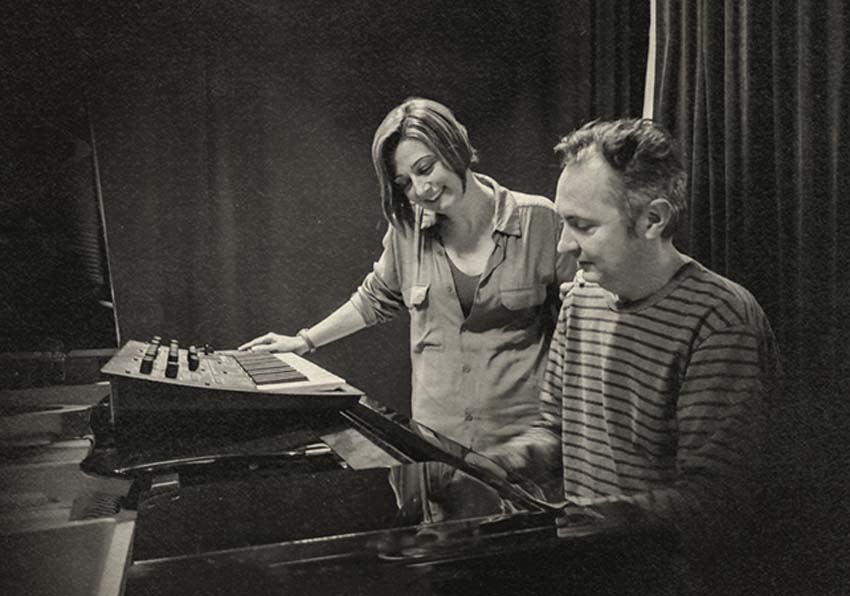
point(430, 123)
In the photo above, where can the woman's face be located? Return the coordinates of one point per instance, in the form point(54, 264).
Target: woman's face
point(425, 180)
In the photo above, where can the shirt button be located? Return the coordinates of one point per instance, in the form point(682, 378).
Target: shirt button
point(450, 289)
point(466, 368)
point(468, 416)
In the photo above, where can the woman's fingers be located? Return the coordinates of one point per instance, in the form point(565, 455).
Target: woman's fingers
point(268, 338)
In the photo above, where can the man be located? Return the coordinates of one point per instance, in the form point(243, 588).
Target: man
point(660, 371)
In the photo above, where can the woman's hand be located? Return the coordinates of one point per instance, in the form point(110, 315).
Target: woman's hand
point(429, 219)
point(565, 286)
point(274, 342)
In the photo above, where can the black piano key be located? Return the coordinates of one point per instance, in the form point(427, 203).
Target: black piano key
point(267, 379)
point(283, 374)
point(247, 360)
point(266, 369)
point(262, 366)
point(273, 374)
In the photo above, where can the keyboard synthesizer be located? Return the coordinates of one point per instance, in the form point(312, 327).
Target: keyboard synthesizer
point(157, 375)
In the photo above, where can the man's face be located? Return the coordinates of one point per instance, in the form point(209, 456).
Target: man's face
point(596, 231)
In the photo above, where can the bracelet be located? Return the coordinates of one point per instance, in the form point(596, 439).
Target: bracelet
point(311, 347)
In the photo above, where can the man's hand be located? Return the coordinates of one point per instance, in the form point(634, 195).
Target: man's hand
point(613, 513)
point(490, 463)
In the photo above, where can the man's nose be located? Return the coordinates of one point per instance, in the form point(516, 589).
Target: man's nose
point(567, 242)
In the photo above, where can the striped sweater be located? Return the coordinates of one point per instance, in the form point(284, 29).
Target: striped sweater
point(661, 402)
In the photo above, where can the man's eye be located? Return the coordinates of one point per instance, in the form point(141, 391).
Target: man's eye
point(580, 226)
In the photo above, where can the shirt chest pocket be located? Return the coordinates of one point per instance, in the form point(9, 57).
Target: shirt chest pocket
point(521, 305)
point(415, 296)
point(516, 299)
point(425, 331)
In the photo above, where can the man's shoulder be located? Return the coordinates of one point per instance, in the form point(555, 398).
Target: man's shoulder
point(701, 278)
point(706, 289)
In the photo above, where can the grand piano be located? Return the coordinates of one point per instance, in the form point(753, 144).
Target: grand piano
point(343, 496)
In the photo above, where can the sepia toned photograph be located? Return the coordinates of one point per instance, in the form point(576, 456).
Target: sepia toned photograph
point(356, 297)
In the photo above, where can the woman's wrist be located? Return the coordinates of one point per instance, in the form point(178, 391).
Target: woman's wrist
point(308, 343)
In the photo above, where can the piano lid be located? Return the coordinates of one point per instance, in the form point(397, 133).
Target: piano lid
point(218, 516)
point(430, 517)
point(419, 528)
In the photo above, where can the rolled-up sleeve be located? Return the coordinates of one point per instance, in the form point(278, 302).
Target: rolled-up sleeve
point(379, 298)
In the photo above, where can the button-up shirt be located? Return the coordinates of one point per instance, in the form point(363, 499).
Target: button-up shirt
point(475, 379)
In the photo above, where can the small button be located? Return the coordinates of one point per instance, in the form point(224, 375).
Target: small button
point(450, 289)
point(466, 368)
point(468, 416)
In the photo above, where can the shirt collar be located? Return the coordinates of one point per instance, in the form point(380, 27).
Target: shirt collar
point(506, 218)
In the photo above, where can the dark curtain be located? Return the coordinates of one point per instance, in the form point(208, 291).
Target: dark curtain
point(597, 62)
point(757, 93)
point(620, 39)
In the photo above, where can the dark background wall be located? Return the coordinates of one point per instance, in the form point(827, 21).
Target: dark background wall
point(229, 143)
point(54, 293)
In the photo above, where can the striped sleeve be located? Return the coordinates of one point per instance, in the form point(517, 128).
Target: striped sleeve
point(721, 420)
point(550, 387)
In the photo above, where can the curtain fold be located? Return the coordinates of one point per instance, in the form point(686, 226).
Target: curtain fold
point(757, 94)
point(619, 57)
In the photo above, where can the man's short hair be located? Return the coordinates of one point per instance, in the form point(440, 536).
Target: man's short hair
point(643, 154)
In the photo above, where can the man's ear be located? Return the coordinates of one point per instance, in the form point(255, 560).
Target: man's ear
point(655, 218)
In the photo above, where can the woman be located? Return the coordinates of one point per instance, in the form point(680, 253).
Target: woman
point(475, 266)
